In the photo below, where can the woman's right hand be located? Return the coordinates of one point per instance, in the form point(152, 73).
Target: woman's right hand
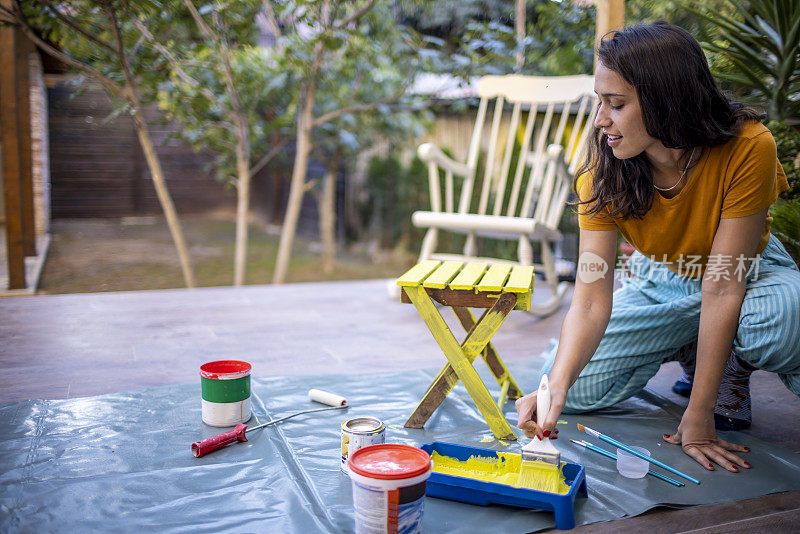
point(526, 414)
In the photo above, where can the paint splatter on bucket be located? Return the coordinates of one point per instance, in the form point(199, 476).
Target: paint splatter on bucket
point(388, 483)
point(225, 388)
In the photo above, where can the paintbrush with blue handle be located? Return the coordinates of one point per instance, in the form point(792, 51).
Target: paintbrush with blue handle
point(634, 452)
point(613, 456)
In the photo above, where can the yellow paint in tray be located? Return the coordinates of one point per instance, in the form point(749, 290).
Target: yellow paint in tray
point(505, 469)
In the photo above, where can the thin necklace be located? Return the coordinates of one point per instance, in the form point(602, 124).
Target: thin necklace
point(679, 179)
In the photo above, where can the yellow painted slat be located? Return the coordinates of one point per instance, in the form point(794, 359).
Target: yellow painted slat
point(468, 276)
point(501, 400)
point(495, 278)
point(520, 280)
point(415, 275)
point(443, 274)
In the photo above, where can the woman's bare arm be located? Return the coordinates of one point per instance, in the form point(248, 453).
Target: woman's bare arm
point(723, 290)
point(583, 327)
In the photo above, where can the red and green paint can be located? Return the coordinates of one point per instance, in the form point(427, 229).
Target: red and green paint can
point(225, 386)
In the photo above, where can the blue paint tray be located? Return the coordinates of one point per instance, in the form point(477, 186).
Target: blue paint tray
point(469, 490)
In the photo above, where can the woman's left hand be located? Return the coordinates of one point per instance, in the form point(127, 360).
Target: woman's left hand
point(698, 438)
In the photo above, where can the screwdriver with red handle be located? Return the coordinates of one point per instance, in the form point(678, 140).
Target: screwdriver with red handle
point(200, 448)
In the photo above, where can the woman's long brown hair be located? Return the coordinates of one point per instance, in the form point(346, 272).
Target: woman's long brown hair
point(681, 107)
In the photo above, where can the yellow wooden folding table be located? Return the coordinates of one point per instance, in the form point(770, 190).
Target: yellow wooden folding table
point(497, 288)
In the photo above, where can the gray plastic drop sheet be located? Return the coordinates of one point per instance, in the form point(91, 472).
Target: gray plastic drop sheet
point(122, 462)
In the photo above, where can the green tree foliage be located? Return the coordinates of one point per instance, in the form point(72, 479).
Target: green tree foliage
point(216, 85)
point(559, 40)
point(560, 34)
point(396, 192)
point(675, 12)
point(449, 19)
point(786, 226)
point(788, 140)
point(194, 90)
point(345, 59)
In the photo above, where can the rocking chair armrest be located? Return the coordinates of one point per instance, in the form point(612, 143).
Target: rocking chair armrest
point(495, 225)
point(430, 153)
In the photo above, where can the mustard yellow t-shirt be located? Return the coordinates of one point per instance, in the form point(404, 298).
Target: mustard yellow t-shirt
point(739, 178)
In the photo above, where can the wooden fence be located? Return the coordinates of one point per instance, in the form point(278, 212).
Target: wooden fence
point(97, 168)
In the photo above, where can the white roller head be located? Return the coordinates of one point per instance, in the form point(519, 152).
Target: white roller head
point(325, 397)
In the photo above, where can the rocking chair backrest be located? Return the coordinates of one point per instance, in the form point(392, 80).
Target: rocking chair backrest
point(546, 105)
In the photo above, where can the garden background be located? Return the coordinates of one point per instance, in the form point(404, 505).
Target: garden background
point(199, 143)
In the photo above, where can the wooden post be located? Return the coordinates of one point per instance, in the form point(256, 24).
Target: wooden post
point(23, 48)
point(610, 16)
point(12, 160)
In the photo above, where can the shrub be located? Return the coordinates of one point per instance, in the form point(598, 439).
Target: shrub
point(788, 140)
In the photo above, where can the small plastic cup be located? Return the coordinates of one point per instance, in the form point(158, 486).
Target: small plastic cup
point(631, 466)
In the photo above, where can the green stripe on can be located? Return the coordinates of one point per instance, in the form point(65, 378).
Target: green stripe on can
point(234, 390)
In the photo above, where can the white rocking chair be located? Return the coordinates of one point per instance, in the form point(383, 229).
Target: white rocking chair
point(541, 181)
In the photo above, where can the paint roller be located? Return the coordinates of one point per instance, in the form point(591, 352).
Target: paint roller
point(201, 448)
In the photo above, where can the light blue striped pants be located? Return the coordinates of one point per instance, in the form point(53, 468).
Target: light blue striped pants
point(657, 311)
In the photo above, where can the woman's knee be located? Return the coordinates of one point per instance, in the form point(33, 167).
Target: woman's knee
point(594, 391)
point(769, 334)
point(591, 393)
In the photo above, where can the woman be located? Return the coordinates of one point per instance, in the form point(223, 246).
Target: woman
point(687, 177)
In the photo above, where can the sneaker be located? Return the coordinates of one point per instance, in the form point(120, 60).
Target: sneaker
point(683, 386)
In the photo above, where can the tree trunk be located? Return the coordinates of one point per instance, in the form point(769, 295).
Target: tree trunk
point(242, 203)
point(519, 25)
point(163, 197)
point(153, 163)
point(242, 160)
point(327, 215)
point(296, 189)
point(610, 16)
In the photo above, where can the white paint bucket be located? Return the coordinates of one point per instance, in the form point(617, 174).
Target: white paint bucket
point(388, 483)
point(225, 386)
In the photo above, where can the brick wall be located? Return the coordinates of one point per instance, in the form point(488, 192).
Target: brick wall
point(39, 146)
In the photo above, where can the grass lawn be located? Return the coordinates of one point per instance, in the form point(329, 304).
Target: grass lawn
point(90, 255)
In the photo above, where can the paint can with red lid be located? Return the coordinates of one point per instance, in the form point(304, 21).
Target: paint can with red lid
point(388, 482)
point(225, 387)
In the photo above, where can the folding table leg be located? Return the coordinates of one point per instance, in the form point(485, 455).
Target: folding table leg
point(501, 400)
point(460, 359)
point(490, 356)
point(447, 379)
point(441, 386)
